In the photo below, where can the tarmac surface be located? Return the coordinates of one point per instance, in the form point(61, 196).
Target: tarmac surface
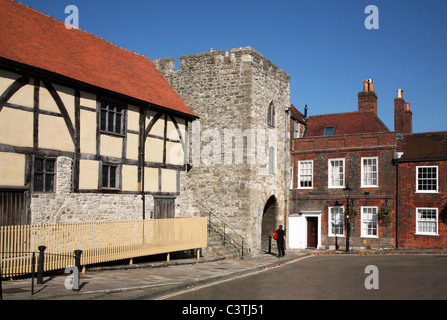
point(153, 280)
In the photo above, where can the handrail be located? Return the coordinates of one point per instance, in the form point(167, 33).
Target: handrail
point(224, 234)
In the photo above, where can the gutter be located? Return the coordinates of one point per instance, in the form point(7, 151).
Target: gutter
point(420, 160)
point(397, 204)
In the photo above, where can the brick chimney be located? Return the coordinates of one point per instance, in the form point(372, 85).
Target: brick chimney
point(368, 98)
point(403, 117)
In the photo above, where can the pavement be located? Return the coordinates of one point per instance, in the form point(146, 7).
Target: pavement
point(152, 280)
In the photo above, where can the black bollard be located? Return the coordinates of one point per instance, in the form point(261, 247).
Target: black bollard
point(270, 244)
point(78, 266)
point(40, 264)
point(33, 270)
point(78, 259)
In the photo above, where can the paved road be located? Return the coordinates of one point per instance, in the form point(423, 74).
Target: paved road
point(405, 277)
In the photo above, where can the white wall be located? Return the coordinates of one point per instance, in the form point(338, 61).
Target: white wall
point(298, 229)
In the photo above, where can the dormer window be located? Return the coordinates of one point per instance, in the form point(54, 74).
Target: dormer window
point(329, 131)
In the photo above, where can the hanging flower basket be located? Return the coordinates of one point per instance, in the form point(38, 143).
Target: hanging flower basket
point(384, 213)
point(351, 213)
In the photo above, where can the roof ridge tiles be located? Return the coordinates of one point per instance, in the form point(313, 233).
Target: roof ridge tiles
point(82, 56)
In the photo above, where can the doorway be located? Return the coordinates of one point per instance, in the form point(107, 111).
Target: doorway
point(164, 208)
point(312, 232)
point(269, 221)
point(305, 230)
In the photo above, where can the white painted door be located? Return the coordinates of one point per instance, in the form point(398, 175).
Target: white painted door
point(295, 232)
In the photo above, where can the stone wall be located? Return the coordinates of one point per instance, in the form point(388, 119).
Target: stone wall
point(231, 93)
point(64, 206)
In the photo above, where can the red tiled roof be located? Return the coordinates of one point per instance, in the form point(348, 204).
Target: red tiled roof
point(35, 39)
point(345, 123)
point(430, 145)
point(296, 114)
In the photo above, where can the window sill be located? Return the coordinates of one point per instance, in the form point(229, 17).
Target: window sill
point(417, 191)
point(109, 190)
point(110, 133)
point(427, 234)
point(35, 194)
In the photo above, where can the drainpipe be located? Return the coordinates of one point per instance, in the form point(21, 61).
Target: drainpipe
point(286, 170)
point(397, 156)
point(397, 204)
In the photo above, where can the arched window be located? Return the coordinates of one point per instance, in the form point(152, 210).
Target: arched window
point(271, 115)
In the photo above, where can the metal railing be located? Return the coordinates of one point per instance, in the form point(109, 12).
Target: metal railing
point(30, 265)
point(228, 234)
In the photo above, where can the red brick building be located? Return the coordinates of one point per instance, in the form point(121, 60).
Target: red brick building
point(344, 163)
point(348, 171)
point(422, 190)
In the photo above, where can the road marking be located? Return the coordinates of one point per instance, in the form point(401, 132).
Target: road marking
point(236, 276)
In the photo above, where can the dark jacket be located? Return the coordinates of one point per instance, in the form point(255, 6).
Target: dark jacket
point(280, 234)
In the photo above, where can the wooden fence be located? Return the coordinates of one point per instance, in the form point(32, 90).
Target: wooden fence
point(99, 241)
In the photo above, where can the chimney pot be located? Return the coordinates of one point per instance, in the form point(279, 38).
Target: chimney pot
point(399, 93)
point(407, 106)
point(365, 85)
point(368, 85)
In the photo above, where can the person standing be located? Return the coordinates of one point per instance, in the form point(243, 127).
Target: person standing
point(281, 241)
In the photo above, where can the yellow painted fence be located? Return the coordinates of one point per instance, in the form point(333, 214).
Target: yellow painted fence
point(99, 241)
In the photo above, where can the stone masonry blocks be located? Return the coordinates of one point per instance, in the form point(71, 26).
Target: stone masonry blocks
point(231, 92)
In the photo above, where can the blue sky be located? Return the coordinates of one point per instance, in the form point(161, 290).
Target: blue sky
point(323, 45)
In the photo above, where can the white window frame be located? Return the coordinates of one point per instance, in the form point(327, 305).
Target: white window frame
point(417, 179)
point(330, 173)
point(364, 172)
point(339, 208)
point(291, 178)
point(296, 130)
point(300, 163)
point(420, 221)
point(365, 221)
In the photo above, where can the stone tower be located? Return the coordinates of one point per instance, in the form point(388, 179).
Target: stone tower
point(237, 148)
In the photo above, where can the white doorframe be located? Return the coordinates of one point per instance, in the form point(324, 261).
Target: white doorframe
point(298, 229)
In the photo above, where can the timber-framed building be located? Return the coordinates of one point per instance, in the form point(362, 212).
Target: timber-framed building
point(89, 131)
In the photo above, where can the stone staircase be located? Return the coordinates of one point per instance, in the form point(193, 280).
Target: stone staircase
point(216, 247)
point(223, 241)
